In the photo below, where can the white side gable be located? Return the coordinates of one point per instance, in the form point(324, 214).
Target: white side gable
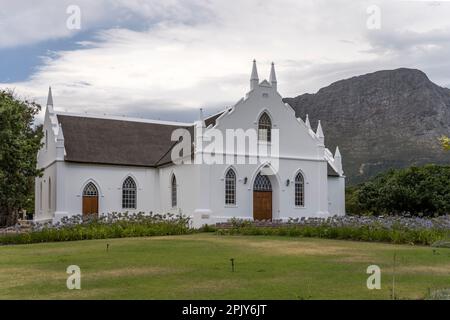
point(47, 154)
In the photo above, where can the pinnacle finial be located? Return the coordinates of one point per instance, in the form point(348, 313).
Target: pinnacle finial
point(254, 71)
point(338, 161)
point(60, 135)
point(319, 131)
point(254, 79)
point(201, 119)
point(273, 76)
point(308, 124)
point(50, 97)
point(337, 154)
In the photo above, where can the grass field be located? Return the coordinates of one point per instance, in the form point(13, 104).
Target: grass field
point(198, 267)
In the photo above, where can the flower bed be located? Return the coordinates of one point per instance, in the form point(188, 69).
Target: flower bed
point(393, 229)
point(115, 225)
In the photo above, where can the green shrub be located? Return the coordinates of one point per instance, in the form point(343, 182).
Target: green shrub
point(99, 229)
point(397, 235)
point(419, 191)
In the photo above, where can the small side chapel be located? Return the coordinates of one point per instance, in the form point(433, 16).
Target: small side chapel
point(94, 165)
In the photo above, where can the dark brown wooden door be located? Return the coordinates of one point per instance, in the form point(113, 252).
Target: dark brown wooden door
point(262, 205)
point(90, 205)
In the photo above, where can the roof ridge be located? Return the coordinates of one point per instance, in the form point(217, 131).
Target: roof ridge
point(124, 118)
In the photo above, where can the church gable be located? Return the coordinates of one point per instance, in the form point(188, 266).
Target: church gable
point(296, 137)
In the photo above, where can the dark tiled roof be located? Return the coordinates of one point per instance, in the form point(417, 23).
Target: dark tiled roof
point(118, 142)
point(212, 120)
point(167, 159)
point(331, 172)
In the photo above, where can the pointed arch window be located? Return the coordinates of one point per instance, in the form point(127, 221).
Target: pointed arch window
point(299, 190)
point(90, 190)
point(40, 196)
point(264, 128)
point(262, 183)
point(129, 194)
point(230, 187)
point(49, 193)
point(173, 191)
point(90, 200)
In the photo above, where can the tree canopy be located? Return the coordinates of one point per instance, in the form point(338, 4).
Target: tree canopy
point(415, 190)
point(19, 143)
point(445, 141)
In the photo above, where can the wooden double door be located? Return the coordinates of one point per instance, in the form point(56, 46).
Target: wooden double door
point(262, 205)
point(262, 198)
point(90, 200)
point(90, 205)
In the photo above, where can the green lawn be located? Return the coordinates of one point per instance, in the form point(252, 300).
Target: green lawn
point(198, 267)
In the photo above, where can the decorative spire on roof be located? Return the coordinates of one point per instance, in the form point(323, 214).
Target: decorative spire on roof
point(338, 161)
point(273, 77)
point(60, 136)
point(60, 143)
point(337, 154)
point(319, 132)
point(254, 79)
point(50, 97)
point(307, 121)
point(201, 118)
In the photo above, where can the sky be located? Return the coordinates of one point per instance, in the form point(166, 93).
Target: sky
point(166, 59)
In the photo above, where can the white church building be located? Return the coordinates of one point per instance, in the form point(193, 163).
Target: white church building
point(94, 165)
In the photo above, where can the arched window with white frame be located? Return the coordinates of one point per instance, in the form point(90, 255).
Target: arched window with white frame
point(230, 187)
point(49, 193)
point(299, 190)
point(264, 128)
point(129, 194)
point(173, 191)
point(40, 196)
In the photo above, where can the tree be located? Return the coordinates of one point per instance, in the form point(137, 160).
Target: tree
point(415, 190)
point(20, 141)
point(445, 141)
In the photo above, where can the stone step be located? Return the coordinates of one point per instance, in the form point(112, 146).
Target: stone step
point(25, 225)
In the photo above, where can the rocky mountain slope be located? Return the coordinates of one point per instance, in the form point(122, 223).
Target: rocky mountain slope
point(385, 119)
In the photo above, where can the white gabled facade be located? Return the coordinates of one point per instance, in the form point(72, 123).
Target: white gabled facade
point(200, 186)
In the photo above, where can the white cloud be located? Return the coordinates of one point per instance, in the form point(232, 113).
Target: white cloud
point(24, 22)
point(196, 54)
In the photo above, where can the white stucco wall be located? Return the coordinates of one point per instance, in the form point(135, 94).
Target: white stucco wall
point(45, 199)
point(336, 195)
point(283, 195)
point(108, 180)
point(186, 191)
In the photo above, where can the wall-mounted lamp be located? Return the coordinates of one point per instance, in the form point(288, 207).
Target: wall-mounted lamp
point(245, 180)
point(287, 182)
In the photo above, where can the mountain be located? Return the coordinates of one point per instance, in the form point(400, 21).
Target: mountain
point(381, 120)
